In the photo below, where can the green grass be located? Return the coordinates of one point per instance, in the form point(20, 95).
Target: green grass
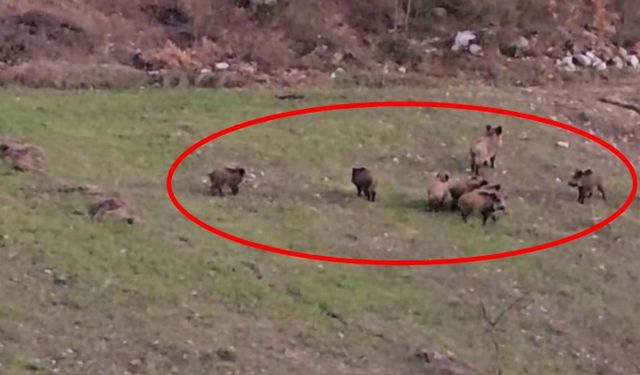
point(170, 294)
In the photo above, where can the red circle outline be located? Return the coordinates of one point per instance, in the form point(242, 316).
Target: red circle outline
point(403, 262)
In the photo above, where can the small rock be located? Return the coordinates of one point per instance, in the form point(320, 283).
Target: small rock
point(476, 50)
point(222, 66)
point(623, 52)
point(227, 354)
point(601, 66)
point(439, 12)
point(562, 144)
point(462, 40)
point(60, 280)
point(633, 61)
point(581, 60)
point(402, 69)
point(521, 43)
point(618, 62)
point(566, 63)
point(339, 71)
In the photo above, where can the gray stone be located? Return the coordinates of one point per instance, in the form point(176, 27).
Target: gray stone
point(581, 60)
point(521, 43)
point(623, 52)
point(439, 12)
point(618, 62)
point(462, 40)
point(222, 65)
point(476, 50)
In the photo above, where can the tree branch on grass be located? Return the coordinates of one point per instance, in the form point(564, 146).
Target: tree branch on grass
point(492, 325)
point(620, 104)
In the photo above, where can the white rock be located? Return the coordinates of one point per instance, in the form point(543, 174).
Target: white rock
point(633, 61)
point(521, 43)
point(623, 52)
point(601, 66)
point(562, 144)
point(618, 62)
point(222, 66)
point(566, 63)
point(581, 60)
point(462, 40)
point(476, 50)
point(402, 69)
point(595, 61)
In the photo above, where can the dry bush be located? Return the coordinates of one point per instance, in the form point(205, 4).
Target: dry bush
point(269, 50)
point(300, 22)
point(628, 29)
point(65, 75)
point(524, 14)
point(370, 16)
point(170, 56)
point(400, 50)
point(27, 34)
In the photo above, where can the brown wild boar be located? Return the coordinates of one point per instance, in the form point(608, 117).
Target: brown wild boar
point(459, 187)
point(231, 177)
point(585, 181)
point(483, 153)
point(364, 181)
point(438, 192)
point(485, 201)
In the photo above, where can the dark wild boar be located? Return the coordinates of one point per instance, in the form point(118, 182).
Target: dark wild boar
point(364, 181)
point(231, 177)
point(586, 181)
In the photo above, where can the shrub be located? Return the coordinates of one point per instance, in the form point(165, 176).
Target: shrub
point(400, 50)
point(65, 75)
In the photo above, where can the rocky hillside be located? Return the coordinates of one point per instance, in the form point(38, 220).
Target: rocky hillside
point(71, 43)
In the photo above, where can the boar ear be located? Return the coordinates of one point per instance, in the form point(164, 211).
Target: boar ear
point(587, 172)
point(488, 127)
point(499, 130)
point(446, 177)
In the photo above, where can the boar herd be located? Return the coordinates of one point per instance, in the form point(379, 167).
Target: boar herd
point(473, 194)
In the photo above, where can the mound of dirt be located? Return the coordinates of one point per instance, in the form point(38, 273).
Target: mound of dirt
point(114, 207)
point(289, 41)
point(34, 34)
point(21, 156)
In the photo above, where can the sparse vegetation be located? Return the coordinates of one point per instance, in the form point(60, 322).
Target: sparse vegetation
point(164, 296)
point(100, 274)
point(354, 34)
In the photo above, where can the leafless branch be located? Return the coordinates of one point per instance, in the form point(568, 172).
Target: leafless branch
point(621, 104)
point(493, 323)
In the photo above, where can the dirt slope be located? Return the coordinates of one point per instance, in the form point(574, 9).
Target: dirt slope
point(273, 36)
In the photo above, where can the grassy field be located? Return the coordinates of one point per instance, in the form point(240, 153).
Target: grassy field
point(165, 296)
